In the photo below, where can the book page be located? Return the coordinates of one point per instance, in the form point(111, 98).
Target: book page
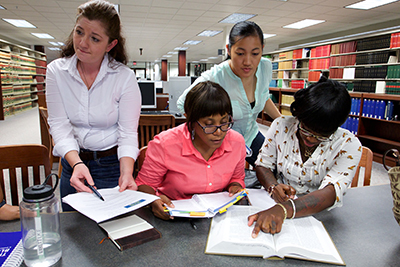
point(214, 201)
point(125, 226)
point(306, 238)
point(115, 203)
point(260, 198)
point(230, 234)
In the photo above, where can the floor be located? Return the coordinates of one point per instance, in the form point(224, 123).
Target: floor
point(24, 128)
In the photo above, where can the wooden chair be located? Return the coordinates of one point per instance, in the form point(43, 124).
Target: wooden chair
point(27, 158)
point(47, 140)
point(366, 162)
point(151, 125)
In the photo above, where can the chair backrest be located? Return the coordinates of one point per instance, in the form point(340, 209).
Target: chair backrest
point(366, 162)
point(151, 125)
point(141, 157)
point(27, 158)
point(47, 140)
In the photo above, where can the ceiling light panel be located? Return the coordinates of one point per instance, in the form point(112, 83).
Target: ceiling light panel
point(20, 23)
point(237, 17)
point(191, 42)
point(303, 24)
point(42, 35)
point(369, 4)
point(209, 33)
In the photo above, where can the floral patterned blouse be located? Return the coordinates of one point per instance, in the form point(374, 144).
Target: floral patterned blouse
point(332, 162)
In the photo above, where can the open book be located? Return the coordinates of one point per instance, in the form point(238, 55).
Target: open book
point(303, 238)
point(115, 203)
point(205, 205)
point(130, 231)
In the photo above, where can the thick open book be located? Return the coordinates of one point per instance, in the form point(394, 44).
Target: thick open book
point(115, 203)
point(130, 231)
point(303, 238)
point(205, 205)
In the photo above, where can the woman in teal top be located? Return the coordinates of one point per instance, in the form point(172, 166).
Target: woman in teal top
point(246, 76)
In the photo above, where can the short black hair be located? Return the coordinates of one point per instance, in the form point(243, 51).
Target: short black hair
point(323, 106)
point(206, 99)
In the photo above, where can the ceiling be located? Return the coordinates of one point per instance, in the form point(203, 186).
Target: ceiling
point(158, 26)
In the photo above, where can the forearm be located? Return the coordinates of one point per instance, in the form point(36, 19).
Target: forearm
point(146, 189)
point(265, 176)
point(126, 165)
point(271, 109)
point(312, 203)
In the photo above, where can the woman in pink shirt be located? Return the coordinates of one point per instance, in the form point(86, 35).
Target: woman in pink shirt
point(201, 156)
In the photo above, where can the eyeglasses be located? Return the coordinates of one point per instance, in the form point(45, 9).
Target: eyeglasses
point(318, 137)
point(210, 129)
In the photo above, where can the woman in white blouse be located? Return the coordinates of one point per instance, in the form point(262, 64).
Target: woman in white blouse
point(94, 104)
point(308, 155)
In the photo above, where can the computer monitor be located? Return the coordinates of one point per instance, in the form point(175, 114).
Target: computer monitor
point(148, 91)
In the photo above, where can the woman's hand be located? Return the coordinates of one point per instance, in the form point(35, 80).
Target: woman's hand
point(79, 175)
point(282, 192)
point(127, 182)
point(233, 188)
point(268, 221)
point(158, 207)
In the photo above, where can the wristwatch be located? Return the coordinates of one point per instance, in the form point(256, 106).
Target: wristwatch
point(271, 189)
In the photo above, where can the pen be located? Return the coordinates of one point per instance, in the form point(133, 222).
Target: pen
point(194, 226)
point(95, 191)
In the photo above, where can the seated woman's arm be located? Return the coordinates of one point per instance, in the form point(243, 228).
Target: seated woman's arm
point(158, 206)
point(271, 220)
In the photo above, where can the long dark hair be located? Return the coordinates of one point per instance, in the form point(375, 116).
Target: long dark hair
point(104, 12)
point(323, 106)
point(244, 29)
point(206, 99)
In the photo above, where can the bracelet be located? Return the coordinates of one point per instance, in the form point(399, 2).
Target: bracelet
point(284, 210)
point(79, 162)
point(294, 208)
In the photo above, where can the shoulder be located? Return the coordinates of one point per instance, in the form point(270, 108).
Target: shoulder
point(265, 63)
point(235, 138)
point(172, 135)
point(59, 63)
point(346, 138)
point(218, 69)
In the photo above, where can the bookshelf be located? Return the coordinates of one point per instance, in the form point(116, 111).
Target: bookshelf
point(23, 73)
point(369, 67)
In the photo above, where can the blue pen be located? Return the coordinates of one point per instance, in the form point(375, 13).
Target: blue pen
point(134, 203)
point(94, 190)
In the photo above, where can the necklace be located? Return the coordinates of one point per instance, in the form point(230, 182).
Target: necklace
point(84, 76)
point(308, 151)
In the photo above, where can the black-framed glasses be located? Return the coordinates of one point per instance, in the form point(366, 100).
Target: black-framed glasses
point(318, 137)
point(210, 129)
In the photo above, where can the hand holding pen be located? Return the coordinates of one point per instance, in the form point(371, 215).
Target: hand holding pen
point(94, 190)
point(282, 192)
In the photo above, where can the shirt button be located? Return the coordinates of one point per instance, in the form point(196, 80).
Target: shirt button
point(208, 166)
point(210, 184)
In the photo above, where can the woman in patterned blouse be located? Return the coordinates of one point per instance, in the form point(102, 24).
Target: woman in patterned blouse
point(309, 155)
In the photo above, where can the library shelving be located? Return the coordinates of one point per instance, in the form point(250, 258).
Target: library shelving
point(23, 73)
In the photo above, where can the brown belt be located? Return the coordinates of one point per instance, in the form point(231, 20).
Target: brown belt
point(93, 155)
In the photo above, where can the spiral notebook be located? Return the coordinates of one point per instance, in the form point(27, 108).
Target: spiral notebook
point(11, 250)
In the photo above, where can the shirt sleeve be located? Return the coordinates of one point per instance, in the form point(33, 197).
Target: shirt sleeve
point(154, 168)
point(342, 172)
point(129, 114)
point(60, 127)
point(268, 155)
point(238, 174)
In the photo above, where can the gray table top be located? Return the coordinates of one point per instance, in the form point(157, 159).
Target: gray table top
point(364, 231)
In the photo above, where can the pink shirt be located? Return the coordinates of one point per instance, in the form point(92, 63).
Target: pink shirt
point(173, 166)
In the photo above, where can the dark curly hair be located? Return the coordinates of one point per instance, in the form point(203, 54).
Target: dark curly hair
point(323, 106)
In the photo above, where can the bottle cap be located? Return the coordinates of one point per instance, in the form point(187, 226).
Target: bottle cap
point(38, 192)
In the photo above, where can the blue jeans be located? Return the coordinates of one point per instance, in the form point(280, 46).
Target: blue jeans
point(105, 173)
point(258, 141)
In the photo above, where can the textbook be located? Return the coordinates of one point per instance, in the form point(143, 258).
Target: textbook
point(115, 203)
point(205, 205)
point(130, 231)
point(301, 238)
point(11, 250)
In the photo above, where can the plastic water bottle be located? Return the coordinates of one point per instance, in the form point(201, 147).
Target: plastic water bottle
point(40, 225)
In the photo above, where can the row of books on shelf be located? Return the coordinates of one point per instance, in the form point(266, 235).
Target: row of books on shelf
point(345, 60)
point(10, 110)
point(378, 42)
point(341, 48)
point(372, 58)
point(371, 72)
point(351, 124)
point(372, 108)
point(295, 84)
point(395, 40)
point(393, 71)
point(321, 51)
point(319, 63)
point(392, 88)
